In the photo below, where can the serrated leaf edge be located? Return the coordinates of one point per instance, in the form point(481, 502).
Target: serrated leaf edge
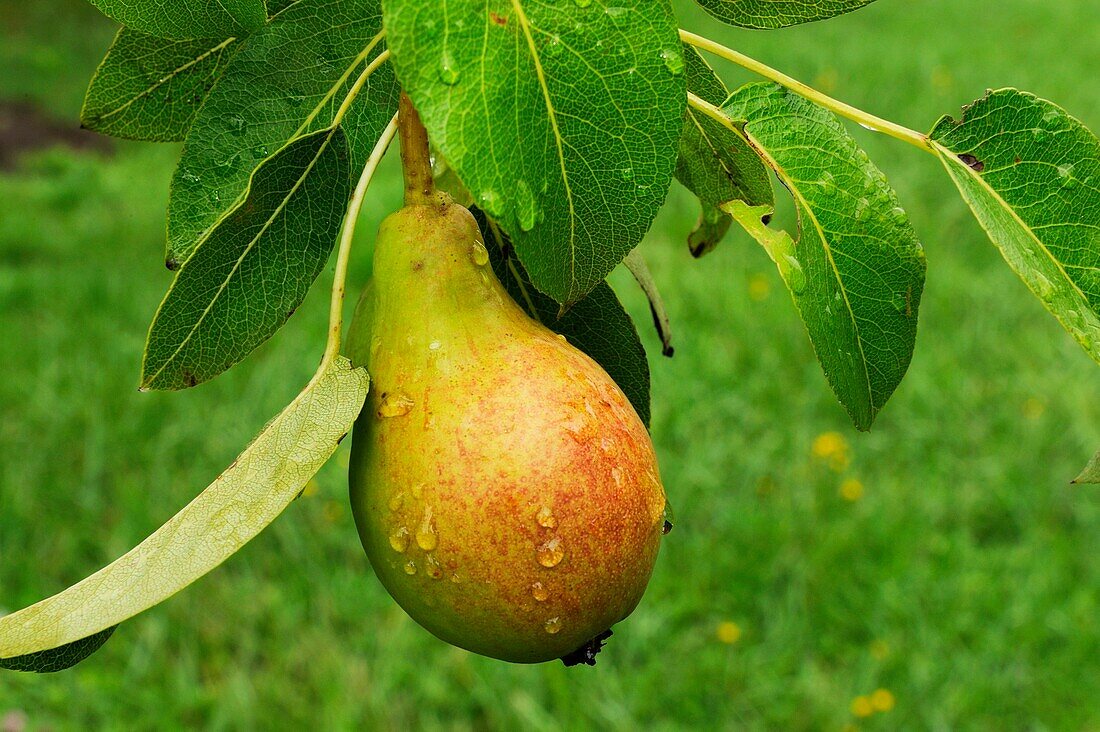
point(92, 124)
point(147, 381)
point(949, 158)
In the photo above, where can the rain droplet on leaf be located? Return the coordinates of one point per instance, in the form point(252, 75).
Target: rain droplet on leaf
point(448, 73)
point(674, 60)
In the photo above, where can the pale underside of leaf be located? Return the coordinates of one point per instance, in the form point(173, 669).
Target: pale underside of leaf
point(244, 499)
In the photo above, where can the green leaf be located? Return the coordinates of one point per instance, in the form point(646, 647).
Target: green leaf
point(60, 658)
point(766, 14)
point(1031, 175)
point(715, 163)
point(287, 80)
point(856, 272)
point(252, 491)
point(274, 7)
point(710, 228)
point(637, 266)
point(596, 324)
point(1091, 473)
point(256, 266)
point(191, 19)
point(150, 88)
point(560, 118)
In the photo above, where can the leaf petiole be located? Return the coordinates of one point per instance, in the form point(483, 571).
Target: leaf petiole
point(865, 119)
point(339, 280)
point(378, 60)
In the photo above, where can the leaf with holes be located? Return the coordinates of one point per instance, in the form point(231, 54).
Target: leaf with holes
point(596, 324)
point(252, 491)
point(184, 20)
point(150, 88)
point(1031, 175)
point(715, 163)
point(256, 266)
point(764, 14)
point(856, 271)
point(561, 119)
point(288, 80)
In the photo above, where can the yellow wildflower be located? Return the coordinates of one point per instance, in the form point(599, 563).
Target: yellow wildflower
point(333, 511)
point(851, 489)
point(833, 448)
point(883, 700)
point(861, 707)
point(942, 79)
point(826, 80)
point(1033, 408)
point(759, 287)
point(729, 632)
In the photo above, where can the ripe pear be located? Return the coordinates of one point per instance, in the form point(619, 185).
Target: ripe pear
point(504, 488)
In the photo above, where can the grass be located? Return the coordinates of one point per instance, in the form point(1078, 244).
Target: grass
point(964, 578)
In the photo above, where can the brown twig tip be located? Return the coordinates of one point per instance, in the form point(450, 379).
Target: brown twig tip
point(416, 159)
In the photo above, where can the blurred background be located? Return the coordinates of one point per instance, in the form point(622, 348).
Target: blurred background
point(937, 573)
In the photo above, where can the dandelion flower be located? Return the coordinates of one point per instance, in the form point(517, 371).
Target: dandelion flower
point(883, 700)
point(862, 707)
point(333, 511)
point(851, 490)
point(832, 448)
point(759, 287)
point(729, 632)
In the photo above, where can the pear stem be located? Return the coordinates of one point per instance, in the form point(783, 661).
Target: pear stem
point(416, 159)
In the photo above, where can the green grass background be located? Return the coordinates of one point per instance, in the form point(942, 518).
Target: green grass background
point(965, 580)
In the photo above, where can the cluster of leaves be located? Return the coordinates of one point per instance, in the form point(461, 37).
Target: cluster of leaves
point(565, 125)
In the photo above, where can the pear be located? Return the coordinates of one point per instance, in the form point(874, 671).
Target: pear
point(504, 488)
